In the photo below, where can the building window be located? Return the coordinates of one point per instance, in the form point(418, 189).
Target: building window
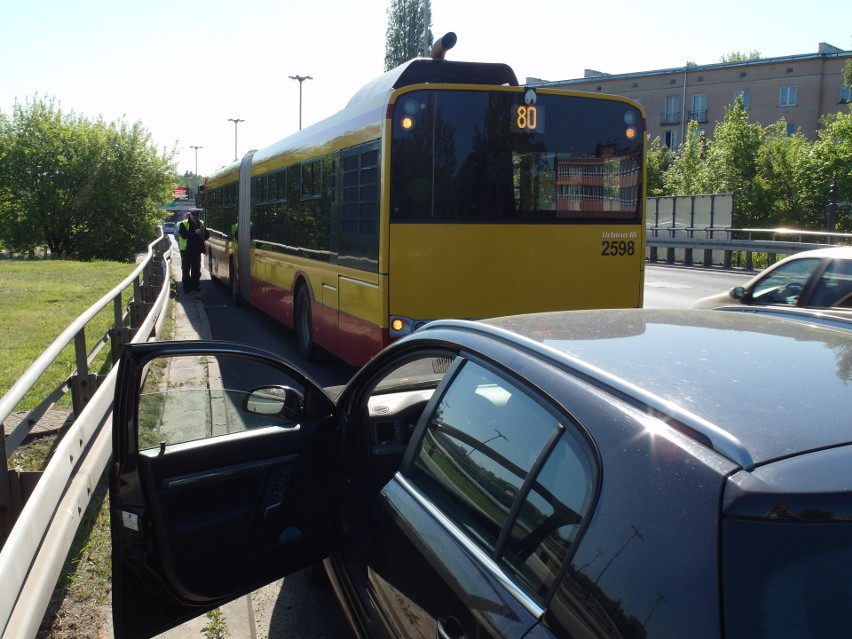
point(787, 96)
point(671, 110)
point(670, 139)
point(699, 108)
point(845, 94)
point(745, 95)
point(791, 128)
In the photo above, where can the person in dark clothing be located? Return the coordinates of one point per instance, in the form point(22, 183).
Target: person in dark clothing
point(191, 237)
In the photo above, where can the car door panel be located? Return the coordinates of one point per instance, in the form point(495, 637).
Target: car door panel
point(198, 523)
point(428, 583)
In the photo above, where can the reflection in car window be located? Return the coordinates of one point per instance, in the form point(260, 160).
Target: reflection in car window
point(835, 286)
point(186, 398)
point(424, 372)
point(549, 520)
point(479, 446)
point(785, 284)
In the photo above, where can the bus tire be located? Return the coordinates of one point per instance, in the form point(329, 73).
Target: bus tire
point(234, 285)
point(304, 324)
point(212, 268)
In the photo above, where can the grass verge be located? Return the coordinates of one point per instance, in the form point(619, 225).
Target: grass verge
point(39, 299)
point(80, 603)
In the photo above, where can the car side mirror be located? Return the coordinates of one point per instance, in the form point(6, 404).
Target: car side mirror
point(279, 401)
point(739, 293)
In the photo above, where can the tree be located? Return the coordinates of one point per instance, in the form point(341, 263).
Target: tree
point(84, 189)
point(783, 171)
point(732, 163)
point(659, 160)
point(737, 56)
point(832, 161)
point(847, 74)
point(686, 174)
point(409, 32)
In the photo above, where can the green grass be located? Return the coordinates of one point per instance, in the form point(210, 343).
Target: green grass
point(39, 299)
point(82, 595)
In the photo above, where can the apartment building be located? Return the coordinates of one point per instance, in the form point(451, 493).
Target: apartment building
point(799, 88)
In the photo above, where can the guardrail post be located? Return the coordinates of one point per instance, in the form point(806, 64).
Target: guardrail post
point(83, 384)
point(138, 307)
point(118, 334)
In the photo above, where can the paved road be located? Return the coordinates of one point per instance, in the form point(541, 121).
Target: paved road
point(678, 287)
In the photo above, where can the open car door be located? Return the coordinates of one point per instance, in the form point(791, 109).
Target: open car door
point(221, 479)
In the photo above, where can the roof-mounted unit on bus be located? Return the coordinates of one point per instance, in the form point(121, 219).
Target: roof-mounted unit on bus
point(437, 70)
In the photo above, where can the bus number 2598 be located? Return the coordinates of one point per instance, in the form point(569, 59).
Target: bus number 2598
point(615, 249)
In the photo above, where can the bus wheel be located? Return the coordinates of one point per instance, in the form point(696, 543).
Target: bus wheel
point(303, 324)
point(234, 285)
point(212, 268)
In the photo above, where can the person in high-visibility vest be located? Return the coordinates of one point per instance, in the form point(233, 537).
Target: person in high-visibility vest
point(191, 237)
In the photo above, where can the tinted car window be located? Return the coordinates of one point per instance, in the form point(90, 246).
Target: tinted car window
point(190, 397)
point(550, 518)
point(784, 284)
point(835, 286)
point(474, 462)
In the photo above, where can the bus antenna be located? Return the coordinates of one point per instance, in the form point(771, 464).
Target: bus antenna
point(442, 45)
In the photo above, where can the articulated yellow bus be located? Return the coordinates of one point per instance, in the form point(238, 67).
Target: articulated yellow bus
point(443, 189)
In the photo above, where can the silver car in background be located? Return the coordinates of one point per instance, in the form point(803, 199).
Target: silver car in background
point(821, 279)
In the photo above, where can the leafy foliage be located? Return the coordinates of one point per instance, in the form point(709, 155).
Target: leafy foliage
point(85, 189)
point(738, 56)
point(409, 31)
point(686, 175)
point(777, 177)
point(659, 160)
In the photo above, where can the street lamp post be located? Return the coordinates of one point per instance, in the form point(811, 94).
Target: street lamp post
point(300, 78)
point(236, 121)
point(196, 157)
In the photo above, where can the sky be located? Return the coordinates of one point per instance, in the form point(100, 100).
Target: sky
point(184, 68)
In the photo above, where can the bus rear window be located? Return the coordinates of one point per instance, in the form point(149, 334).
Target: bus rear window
point(788, 579)
point(490, 156)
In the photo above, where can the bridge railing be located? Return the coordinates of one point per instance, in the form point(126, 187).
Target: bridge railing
point(40, 528)
point(716, 246)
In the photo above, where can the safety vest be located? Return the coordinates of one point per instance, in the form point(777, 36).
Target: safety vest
point(182, 241)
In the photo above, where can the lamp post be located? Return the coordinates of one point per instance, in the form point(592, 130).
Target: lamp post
point(300, 78)
point(236, 121)
point(196, 157)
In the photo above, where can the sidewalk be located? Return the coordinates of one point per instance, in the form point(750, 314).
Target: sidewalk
point(191, 324)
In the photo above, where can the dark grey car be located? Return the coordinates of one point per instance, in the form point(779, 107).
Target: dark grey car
point(622, 473)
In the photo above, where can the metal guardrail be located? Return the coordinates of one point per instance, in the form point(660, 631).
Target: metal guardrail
point(38, 543)
point(680, 244)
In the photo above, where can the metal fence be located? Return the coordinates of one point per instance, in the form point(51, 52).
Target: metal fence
point(40, 526)
point(716, 246)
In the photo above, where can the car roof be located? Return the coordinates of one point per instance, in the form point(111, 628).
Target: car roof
point(837, 252)
point(758, 387)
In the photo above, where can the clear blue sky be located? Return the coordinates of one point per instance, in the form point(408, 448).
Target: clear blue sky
point(183, 67)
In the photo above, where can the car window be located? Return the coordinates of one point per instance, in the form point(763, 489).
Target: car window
point(501, 467)
point(785, 284)
point(187, 398)
point(834, 288)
